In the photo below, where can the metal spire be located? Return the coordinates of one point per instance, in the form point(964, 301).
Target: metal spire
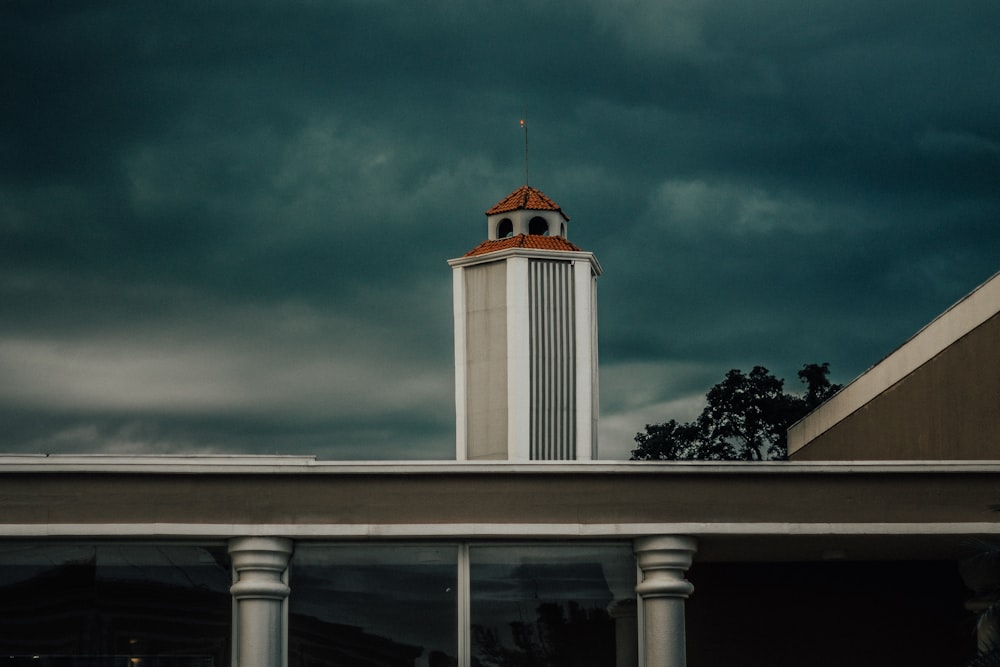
point(524, 124)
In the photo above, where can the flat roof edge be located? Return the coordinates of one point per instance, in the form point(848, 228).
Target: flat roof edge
point(464, 531)
point(285, 465)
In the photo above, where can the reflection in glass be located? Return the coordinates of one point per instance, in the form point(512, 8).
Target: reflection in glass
point(373, 606)
point(140, 605)
point(553, 606)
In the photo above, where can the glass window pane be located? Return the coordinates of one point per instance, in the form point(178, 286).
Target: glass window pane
point(114, 604)
point(373, 605)
point(553, 606)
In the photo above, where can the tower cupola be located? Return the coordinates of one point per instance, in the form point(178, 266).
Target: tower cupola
point(525, 211)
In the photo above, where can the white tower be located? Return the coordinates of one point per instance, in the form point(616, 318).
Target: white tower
point(526, 338)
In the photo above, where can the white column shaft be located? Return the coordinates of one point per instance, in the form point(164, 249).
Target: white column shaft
point(665, 641)
point(260, 642)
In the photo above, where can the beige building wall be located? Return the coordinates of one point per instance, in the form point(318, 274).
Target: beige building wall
point(486, 360)
point(948, 408)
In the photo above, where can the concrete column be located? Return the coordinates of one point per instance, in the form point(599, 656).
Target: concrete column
point(259, 595)
point(987, 628)
point(664, 560)
point(626, 627)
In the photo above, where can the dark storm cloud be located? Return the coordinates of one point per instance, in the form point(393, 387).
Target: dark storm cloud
point(223, 226)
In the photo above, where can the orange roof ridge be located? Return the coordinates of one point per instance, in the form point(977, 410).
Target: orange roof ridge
point(527, 198)
point(532, 241)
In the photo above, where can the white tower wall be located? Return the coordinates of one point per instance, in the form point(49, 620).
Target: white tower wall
point(526, 355)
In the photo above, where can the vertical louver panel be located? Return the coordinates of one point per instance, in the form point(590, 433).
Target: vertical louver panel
point(553, 361)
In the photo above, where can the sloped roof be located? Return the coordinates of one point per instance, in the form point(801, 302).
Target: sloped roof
point(934, 398)
point(532, 241)
point(526, 198)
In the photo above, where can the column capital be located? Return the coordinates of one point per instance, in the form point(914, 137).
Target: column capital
point(259, 563)
point(664, 559)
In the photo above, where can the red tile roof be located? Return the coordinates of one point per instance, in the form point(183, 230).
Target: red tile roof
point(528, 198)
point(523, 241)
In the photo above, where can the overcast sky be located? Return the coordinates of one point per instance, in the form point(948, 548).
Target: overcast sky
point(224, 226)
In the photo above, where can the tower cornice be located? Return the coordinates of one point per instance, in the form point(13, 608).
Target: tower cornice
point(532, 253)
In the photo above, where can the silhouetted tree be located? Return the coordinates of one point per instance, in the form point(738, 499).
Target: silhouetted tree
point(818, 387)
point(745, 418)
point(670, 441)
